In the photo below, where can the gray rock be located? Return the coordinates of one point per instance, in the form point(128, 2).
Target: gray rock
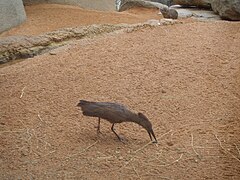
point(197, 3)
point(165, 2)
point(169, 13)
point(166, 12)
point(127, 4)
point(200, 14)
point(184, 13)
point(227, 9)
point(12, 13)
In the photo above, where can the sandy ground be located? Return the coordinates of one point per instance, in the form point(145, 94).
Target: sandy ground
point(44, 18)
point(184, 77)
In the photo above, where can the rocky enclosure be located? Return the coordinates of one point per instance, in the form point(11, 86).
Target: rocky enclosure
point(227, 9)
point(184, 77)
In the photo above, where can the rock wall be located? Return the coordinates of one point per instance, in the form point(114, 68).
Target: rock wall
point(197, 3)
point(102, 5)
point(127, 4)
point(12, 13)
point(227, 9)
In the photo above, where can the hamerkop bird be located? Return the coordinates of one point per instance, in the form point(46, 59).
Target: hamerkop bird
point(115, 113)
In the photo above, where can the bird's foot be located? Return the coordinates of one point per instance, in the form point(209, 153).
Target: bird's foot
point(154, 142)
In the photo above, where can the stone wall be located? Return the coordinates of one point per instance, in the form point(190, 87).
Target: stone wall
point(12, 13)
point(102, 5)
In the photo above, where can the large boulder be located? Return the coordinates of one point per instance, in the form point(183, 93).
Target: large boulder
point(165, 2)
point(227, 9)
point(169, 13)
point(123, 5)
point(197, 3)
point(165, 10)
point(12, 13)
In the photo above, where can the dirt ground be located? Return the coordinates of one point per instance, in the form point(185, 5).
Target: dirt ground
point(184, 77)
point(45, 17)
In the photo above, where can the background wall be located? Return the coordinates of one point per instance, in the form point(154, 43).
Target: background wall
point(12, 13)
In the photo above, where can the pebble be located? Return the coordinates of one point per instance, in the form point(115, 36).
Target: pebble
point(120, 158)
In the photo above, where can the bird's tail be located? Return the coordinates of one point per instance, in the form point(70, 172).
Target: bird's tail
point(83, 103)
point(88, 108)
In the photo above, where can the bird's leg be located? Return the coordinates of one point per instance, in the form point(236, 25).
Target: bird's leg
point(115, 132)
point(98, 127)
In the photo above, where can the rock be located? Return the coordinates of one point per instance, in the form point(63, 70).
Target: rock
point(127, 4)
point(169, 13)
point(165, 2)
point(200, 14)
point(184, 13)
point(168, 22)
point(163, 91)
point(169, 143)
point(197, 3)
point(120, 158)
point(52, 53)
point(227, 9)
point(166, 12)
point(12, 14)
point(153, 22)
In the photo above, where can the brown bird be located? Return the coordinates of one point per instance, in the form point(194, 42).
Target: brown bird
point(115, 113)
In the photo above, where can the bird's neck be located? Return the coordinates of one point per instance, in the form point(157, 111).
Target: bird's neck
point(135, 118)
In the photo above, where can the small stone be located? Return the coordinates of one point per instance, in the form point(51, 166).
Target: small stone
point(170, 143)
point(53, 53)
point(163, 91)
point(24, 152)
point(120, 158)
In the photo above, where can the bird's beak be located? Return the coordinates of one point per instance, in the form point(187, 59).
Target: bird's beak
point(151, 133)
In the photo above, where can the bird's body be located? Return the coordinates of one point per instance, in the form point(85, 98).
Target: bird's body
point(114, 113)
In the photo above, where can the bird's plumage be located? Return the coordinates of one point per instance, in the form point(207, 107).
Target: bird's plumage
point(112, 112)
point(115, 113)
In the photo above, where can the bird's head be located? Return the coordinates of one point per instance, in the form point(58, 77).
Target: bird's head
point(146, 124)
